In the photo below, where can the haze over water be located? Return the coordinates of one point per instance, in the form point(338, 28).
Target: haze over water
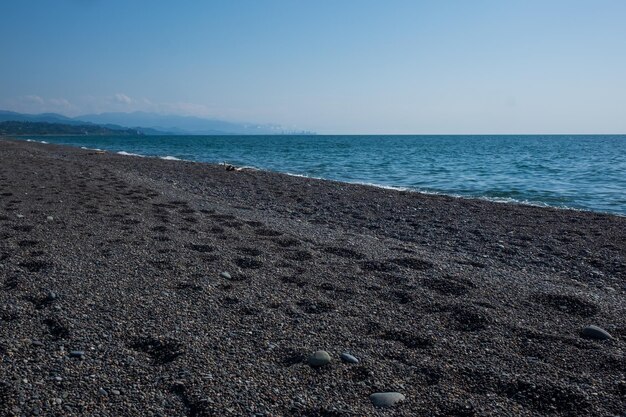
point(583, 171)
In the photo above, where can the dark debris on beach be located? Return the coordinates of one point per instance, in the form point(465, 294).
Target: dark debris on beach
point(143, 287)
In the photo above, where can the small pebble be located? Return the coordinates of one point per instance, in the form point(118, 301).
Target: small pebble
point(36, 343)
point(103, 392)
point(58, 379)
point(77, 354)
point(386, 399)
point(58, 400)
point(595, 332)
point(115, 392)
point(346, 357)
point(20, 216)
point(51, 296)
point(319, 358)
point(50, 218)
point(225, 275)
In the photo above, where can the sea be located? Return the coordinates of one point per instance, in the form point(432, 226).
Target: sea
point(581, 172)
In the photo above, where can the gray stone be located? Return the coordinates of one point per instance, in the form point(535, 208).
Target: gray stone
point(386, 399)
point(51, 296)
point(595, 332)
point(346, 357)
point(319, 358)
point(103, 392)
point(77, 354)
point(225, 275)
point(115, 392)
point(50, 218)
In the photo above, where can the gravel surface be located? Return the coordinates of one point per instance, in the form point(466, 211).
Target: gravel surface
point(114, 301)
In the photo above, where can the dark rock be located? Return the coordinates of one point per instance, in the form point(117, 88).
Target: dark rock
point(386, 399)
point(346, 357)
point(595, 332)
point(319, 359)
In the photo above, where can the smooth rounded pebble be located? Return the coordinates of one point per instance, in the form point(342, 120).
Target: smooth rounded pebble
point(319, 358)
point(50, 218)
point(346, 357)
point(595, 332)
point(386, 399)
point(51, 296)
point(77, 354)
point(225, 275)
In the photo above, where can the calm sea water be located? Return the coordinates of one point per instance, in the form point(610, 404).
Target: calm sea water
point(583, 172)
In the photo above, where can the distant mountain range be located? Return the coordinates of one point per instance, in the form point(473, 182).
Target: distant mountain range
point(19, 128)
point(153, 123)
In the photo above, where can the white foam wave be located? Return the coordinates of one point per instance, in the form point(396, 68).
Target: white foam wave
point(129, 154)
point(169, 158)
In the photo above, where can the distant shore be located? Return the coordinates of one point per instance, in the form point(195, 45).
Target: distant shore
point(143, 286)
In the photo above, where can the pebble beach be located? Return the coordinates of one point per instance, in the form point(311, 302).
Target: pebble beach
point(135, 286)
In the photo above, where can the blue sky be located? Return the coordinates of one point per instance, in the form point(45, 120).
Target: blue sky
point(341, 66)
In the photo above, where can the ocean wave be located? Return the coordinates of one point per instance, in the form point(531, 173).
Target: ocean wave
point(130, 154)
point(169, 158)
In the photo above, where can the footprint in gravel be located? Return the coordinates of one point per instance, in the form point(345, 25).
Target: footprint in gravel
point(162, 350)
point(194, 407)
point(189, 286)
point(201, 248)
point(299, 255)
point(398, 297)
point(35, 265)
point(475, 264)
point(161, 229)
point(547, 397)
point(222, 217)
point(569, 304)
point(58, 330)
point(248, 263)
point(378, 266)
point(343, 252)
point(267, 232)
point(449, 285)
point(315, 306)
point(23, 228)
point(290, 357)
point(27, 243)
point(161, 238)
point(413, 263)
point(287, 242)
point(469, 319)
point(249, 251)
point(254, 224)
point(295, 280)
point(410, 340)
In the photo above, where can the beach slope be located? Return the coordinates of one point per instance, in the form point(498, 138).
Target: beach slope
point(114, 300)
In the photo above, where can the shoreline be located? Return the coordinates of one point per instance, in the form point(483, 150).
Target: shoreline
point(464, 306)
point(499, 200)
